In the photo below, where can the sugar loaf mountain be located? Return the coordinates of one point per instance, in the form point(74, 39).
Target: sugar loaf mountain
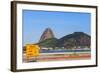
point(74, 40)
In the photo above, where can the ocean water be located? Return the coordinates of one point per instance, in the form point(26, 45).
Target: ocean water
point(58, 51)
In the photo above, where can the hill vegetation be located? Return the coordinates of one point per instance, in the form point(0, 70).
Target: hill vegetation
point(74, 40)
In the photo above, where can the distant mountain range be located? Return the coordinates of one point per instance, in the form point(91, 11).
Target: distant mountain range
point(74, 40)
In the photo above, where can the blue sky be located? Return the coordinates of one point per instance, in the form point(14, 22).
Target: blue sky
point(62, 23)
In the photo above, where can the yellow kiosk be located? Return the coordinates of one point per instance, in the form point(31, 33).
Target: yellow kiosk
point(32, 50)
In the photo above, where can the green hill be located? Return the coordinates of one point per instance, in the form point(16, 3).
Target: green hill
point(49, 43)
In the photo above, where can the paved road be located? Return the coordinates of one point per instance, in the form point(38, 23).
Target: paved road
point(58, 56)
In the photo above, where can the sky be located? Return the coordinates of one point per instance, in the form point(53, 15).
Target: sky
point(61, 23)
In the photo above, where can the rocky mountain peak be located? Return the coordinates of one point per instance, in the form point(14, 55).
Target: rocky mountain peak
point(47, 34)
